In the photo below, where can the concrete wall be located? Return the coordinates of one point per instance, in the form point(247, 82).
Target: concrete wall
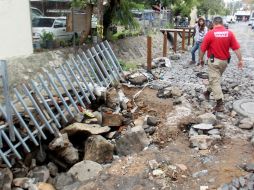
point(15, 32)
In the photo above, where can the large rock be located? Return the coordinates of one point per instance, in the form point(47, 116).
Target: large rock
point(98, 149)
point(112, 120)
point(91, 129)
point(64, 180)
point(112, 100)
point(203, 142)
point(64, 149)
point(85, 170)
point(246, 123)
point(5, 178)
point(132, 142)
point(169, 92)
point(207, 118)
point(137, 78)
point(40, 173)
point(153, 121)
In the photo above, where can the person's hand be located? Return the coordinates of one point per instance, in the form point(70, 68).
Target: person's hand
point(240, 64)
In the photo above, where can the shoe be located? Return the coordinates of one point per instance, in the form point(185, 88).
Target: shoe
point(219, 106)
point(192, 62)
point(207, 95)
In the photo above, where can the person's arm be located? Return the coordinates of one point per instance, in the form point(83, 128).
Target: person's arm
point(236, 48)
point(240, 63)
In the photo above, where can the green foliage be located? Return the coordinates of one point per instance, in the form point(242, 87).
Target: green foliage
point(124, 33)
point(183, 7)
point(214, 7)
point(128, 66)
point(78, 3)
point(47, 36)
point(123, 15)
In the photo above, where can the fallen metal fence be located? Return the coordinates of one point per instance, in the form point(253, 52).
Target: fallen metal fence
point(55, 95)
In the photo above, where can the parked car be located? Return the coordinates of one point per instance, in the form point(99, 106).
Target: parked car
point(54, 25)
point(35, 13)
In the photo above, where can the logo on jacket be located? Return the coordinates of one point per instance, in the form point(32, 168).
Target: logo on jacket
point(223, 34)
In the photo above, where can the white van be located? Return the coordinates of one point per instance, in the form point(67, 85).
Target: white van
point(230, 19)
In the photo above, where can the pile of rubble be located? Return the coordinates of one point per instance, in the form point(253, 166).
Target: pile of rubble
point(242, 183)
point(82, 149)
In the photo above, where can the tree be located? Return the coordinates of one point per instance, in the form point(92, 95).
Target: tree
point(119, 12)
point(212, 7)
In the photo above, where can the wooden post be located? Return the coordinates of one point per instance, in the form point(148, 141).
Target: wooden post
point(175, 41)
point(165, 44)
point(149, 53)
point(183, 40)
point(189, 36)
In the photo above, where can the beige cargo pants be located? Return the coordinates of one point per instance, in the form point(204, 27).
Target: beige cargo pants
point(215, 71)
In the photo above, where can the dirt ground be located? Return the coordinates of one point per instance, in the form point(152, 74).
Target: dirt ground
point(171, 147)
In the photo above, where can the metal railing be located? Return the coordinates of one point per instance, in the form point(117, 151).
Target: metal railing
point(40, 104)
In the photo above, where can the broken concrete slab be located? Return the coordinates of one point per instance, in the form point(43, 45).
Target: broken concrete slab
point(85, 170)
point(132, 142)
point(93, 129)
point(64, 149)
point(98, 149)
point(203, 126)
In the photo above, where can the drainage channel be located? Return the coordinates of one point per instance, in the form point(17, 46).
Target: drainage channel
point(39, 105)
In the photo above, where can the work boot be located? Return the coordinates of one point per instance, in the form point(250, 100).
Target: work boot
point(207, 95)
point(219, 106)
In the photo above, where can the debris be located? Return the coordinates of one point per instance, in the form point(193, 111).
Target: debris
point(182, 167)
point(6, 177)
point(64, 149)
point(169, 92)
point(24, 182)
point(153, 164)
point(249, 167)
point(207, 118)
point(98, 116)
point(246, 123)
point(63, 180)
point(112, 120)
point(204, 188)
point(53, 169)
point(201, 141)
point(175, 56)
point(133, 141)
point(98, 149)
point(45, 186)
point(200, 174)
point(40, 173)
point(214, 132)
point(152, 121)
point(203, 126)
point(112, 99)
point(137, 78)
point(85, 170)
point(158, 172)
point(161, 62)
point(93, 129)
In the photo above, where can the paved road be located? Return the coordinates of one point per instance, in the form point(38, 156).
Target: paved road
point(245, 36)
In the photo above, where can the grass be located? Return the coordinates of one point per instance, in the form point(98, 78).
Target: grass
point(128, 66)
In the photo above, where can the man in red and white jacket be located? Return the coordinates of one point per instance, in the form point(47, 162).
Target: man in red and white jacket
point(217, 43)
